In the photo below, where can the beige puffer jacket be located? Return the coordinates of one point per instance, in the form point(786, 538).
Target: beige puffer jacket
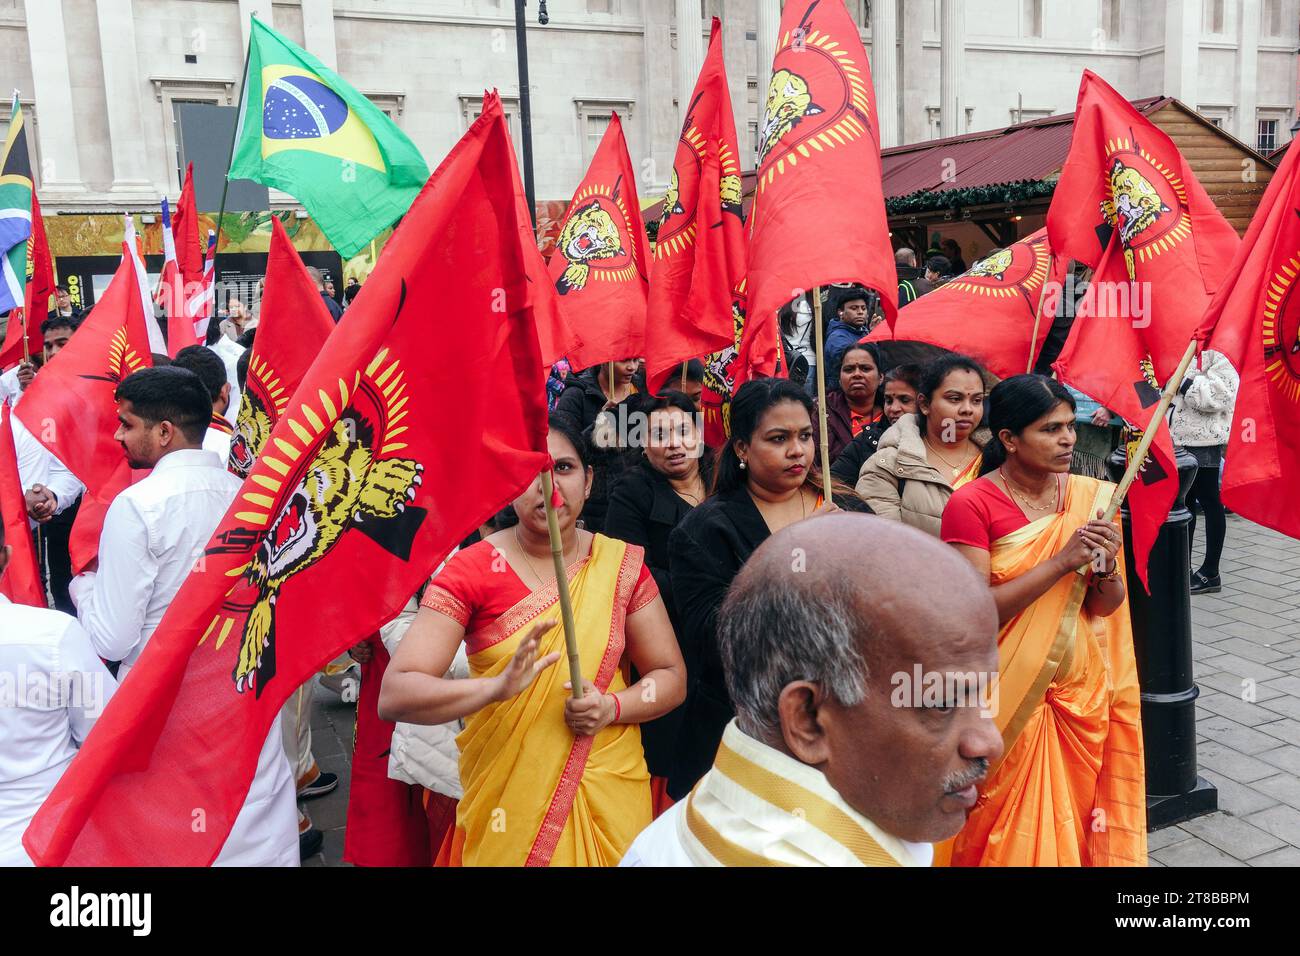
point(900, 460)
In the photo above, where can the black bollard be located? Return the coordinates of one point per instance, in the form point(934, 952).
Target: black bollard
point(1162, 644)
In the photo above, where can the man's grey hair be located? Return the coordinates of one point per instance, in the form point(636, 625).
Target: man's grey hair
point(905, 257)
point(316, 276)
point(774, 632)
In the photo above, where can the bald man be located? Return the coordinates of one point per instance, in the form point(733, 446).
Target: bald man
point(859, 654)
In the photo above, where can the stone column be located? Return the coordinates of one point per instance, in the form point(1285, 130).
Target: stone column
point(690, 52)
point(915, 80)
point(52, 88)
point(952, 62)
point(318, 31)
point(1182, 49)
point(1245, 91)
point(260, 8)
point(735, 23)
point(884, 67)
point(117, 51)
point(660, 127)
point(769, 24)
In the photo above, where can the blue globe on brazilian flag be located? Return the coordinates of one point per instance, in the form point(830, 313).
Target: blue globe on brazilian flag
point(305, 131)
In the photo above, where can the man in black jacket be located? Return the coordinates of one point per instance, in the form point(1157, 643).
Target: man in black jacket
point(912, 283)
point(335, 311)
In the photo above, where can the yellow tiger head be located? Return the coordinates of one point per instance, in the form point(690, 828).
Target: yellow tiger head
point(994, 265)
point(252, 429)
point(730, 190)
point(1134, 204)
point(788, 102)
point(589, 235)
point(345, 485)
point(672, 199)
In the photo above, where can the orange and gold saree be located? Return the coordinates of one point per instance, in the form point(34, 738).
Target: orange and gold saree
point(536, 794)
point(1070, 789)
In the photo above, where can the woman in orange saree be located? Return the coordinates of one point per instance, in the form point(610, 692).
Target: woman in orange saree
point(549, 780)
point(1070, 788)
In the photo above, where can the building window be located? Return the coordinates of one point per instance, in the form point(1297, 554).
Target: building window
point(1024, 115)
point(392, 105)
point(1112, 14)
point(170, 92)
point(1267, 139)
point(933, 121)
point(1220, 116)
point(600, 6)
point(593, 119)
point(471, 107)
point(1273, 18)
point(1033, 18)
point(1213, 16)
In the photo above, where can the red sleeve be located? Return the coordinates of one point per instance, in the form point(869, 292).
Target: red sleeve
point(453, 589)
point(646, 590)
point(966, 518)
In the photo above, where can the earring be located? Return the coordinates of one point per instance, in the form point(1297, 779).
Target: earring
point(742, 464)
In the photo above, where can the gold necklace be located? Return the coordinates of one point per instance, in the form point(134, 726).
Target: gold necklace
point(939, 455)
point(529, 561)
point(1056, 503)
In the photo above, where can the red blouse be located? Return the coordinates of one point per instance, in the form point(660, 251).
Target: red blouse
point(477, 585)
point(979, 513)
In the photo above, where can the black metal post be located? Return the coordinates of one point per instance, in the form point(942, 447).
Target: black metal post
point(525, 109)
point(1162, 643)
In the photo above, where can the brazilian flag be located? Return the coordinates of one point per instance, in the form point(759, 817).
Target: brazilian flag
point(303, 130)
point(15, 212)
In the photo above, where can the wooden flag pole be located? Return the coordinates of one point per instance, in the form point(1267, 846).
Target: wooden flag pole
point(562, 585)
point(821, 395)
point(610, 373)
point(1148, 436)
point(1038, 314)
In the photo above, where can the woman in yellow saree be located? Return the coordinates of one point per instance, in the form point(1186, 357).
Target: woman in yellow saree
point(1070, 788)
point(549, 780)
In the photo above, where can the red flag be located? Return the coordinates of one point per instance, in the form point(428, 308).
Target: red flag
point(293, 327)
point(40, 286)
point(988, 311)
point(1254, 321)
point(1106, 359)
point(1125, 175)
point(70, 407)
point(700, 250)
point(819, 210)
point(185, 228)
point(171, 291)
point(21, 580)
point(357, 480)
point(602, 258)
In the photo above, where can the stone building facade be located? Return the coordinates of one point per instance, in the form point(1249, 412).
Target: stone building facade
point(101, 78)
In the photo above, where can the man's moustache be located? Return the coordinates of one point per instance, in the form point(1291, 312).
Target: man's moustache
point(979, 769)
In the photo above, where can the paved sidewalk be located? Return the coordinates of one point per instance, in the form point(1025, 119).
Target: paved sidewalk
point(1247, 652)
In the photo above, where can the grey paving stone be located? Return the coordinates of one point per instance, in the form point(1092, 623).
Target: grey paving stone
point(1287, 730)
point(1231, 763)
point(1282, 821)
point(1251, 643)
point(1285, 685)
point(1233, 835)
point(1285, 788)
point(1285, 705)
point(1286, 856)
point(1194, 853)
point(1210, 618)
point(1247, 713)
point(1236, 664)
point(1159, 839)
point(1237, 736)
point(1234, 685)
point(1252, 615)
point(1284, 758)
point(1238, 799)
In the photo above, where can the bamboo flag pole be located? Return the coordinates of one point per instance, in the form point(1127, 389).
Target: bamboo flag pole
point(562, 585)
point(821, 395)
point(1148, 436)
point(610, 373)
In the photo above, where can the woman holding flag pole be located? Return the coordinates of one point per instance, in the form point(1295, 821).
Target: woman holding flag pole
point(586, 792)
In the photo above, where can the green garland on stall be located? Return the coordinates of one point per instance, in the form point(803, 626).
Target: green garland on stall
point(998, 194)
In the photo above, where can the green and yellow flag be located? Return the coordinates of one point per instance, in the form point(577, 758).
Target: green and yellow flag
point(304, 130)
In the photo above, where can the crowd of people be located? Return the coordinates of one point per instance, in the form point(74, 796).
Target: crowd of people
point(757, 657)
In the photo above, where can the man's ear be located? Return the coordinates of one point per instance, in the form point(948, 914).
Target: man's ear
point(224, 400)
point(800, 707)
point(167, 433)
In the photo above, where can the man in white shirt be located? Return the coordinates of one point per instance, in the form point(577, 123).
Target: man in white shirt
point(861, 742)
point(211, 370)
point(49, 488)
point(154, 532)
point(57, 688)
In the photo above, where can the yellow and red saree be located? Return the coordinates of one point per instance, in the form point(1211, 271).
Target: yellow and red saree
point(1070, 788)
point(535, 794)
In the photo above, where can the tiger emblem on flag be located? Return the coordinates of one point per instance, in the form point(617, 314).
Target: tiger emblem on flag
point(672, 199)
point(590, 235)
point(993, 265)
point(1134, 205)
point(252, 429)
point(788, 102)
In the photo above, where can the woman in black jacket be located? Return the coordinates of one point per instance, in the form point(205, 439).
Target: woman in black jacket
point(649, 501)
point(580, 404)
point(766, 479)
point(901, 385)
